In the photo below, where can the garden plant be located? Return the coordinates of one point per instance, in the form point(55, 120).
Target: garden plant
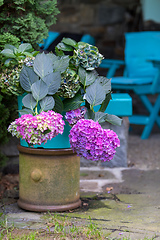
point(62, 83)
point(55, 89)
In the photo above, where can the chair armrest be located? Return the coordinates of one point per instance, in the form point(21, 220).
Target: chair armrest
point(112, 66)
point(156, 62)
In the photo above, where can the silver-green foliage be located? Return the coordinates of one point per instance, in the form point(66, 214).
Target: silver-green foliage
point(94, 89)
point(41, 82)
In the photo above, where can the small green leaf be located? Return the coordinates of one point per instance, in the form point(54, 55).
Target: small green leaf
point(27, 54)
point(105, 102)
point(34, 53)
point(39, 90)
point(69, 42)
point(29, 102)
point(64, 47)
point(113, 119)
point(89, 114)
point(8, 46)
point(8, 53)
point(25, 47)
point(73, 103)
point(47, 103)
point(59, 52)
point(7, 62)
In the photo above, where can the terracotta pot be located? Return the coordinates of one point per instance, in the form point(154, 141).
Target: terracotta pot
point(49, 179)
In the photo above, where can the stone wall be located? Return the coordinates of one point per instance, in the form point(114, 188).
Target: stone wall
point(106, 20)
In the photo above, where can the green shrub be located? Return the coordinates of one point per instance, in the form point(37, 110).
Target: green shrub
point(28, 20)
point(8, 112)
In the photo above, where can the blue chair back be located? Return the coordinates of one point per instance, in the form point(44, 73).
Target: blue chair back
point(52, 36)
point(87, 38)
point(140, 47)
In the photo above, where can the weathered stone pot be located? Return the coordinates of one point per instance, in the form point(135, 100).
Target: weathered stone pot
point(49, 179)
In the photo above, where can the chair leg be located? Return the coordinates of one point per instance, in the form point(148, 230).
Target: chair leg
point(149, 107)
point(152, 118)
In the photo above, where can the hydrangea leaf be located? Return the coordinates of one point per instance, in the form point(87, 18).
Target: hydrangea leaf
point(29, 102)
point(73, 103)
point(62, 64)
point(113, 119)
point(53, 81)
point(58, 107)
point(69, 41)
point(95, 94)
point(89, 114)
point(39, 90)
point(8, 53)
point(27, 78)
point(100, 117)
point(64, 47)
point(25, 47)
point(86, 78)
point(7, 62)
point(105, 102)
point(27, 54)
point(105, 82)
point(9, 46)
point(47, 103)
point(43, 65)
point(53, 57)
point(26, 111)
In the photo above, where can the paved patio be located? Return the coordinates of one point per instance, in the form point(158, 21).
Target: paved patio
point(124, 202)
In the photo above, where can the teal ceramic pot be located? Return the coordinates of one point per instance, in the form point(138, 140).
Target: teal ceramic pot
point(60, 141)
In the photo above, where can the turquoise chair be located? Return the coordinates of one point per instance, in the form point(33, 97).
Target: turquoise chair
point(141, 75)
point(87, 38)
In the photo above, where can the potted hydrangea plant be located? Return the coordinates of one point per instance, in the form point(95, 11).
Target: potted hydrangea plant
point(55, 86)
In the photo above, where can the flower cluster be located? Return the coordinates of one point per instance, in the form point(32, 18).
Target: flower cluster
point(73, 116)
point(37, 129)
point(70, 84)
point(89, 140)
point(9, 77)
point(87, 56)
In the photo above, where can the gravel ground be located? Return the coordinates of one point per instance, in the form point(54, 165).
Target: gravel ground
point(144, 154)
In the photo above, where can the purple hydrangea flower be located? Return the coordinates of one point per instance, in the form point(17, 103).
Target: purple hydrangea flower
point(37, 129)
point(73, 116)
point(89, 140)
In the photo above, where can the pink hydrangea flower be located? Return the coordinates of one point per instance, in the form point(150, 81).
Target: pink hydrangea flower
point(37, 129)
point(89, 140)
